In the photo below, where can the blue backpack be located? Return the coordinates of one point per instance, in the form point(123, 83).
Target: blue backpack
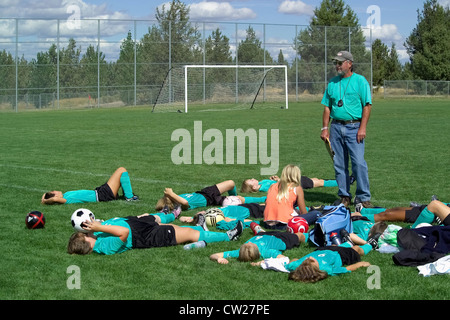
point(332, 219)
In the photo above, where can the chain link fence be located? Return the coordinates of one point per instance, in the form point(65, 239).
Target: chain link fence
point(57, 64)
point(416, 88)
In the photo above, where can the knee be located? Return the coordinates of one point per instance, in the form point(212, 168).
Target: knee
point(433, 205)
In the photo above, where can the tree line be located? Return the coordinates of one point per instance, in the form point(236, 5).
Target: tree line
point(148, 60)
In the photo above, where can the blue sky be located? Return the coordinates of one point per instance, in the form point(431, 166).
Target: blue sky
point(392, 20)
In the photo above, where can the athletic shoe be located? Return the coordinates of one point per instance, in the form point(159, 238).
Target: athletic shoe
point(177, 211)
point(236, 232)
point(434, 197)
point(165, 210)
point(358, 207)
point(414, 204)
point(352, 179)
point(256, 228)
point(346, 201)
point(373, 240)
point(202, 222)
point(133, 198)
point(345, 236)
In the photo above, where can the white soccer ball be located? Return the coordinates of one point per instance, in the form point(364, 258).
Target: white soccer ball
point(79, 217)
point(231, 201)
point(213, 215)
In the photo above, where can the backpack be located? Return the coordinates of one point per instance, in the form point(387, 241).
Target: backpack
point(332, 219)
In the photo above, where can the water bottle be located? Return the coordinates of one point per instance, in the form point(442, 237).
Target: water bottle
point(198, 244)
point(335, 238)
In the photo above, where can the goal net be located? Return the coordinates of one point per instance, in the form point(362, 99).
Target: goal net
point(223, 87)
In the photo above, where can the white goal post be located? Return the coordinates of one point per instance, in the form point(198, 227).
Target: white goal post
point(265, 68)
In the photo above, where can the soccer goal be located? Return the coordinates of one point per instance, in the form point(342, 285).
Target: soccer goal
point(223, 87)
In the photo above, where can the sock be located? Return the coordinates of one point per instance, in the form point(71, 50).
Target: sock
point(330, 183)
point(366, 248)
point(368, 216)
point(372, 210)
point(425, 216)
point(255, 199)
point(126, 185)
point(210, 236)
point(233, 192)
point(198, 228)
point(165, 218)
point(346, 245)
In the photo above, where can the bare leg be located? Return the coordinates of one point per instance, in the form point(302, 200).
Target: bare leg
point(183, 235)
point(225, 186)
point(394, 214)
point(114, 180)
point(439, 209)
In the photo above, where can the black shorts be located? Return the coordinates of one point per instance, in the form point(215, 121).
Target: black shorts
point(412, 215)
point(147, 233)
point(212, 195)
point(348, 255)
point(104, 193)
point(291, 240)
point(306, 182)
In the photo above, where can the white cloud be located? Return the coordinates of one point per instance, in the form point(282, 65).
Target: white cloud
point(296, 7)
point(386, 33)
point(213, 10)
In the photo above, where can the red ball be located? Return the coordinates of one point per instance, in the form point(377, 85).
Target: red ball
point(297, 224)
point(35, 220)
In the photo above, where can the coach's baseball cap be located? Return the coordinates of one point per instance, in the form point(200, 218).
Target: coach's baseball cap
point(343, 55)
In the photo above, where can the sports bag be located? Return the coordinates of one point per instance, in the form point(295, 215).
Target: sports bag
point(332, 219)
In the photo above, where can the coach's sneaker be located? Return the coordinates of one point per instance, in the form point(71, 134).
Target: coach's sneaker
point(236, 232)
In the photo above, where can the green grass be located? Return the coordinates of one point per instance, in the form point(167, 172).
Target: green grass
point(407, 154)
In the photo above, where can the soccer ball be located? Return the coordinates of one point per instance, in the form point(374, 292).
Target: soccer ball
point(231, 201)
point(79, 217)
point(35, 220)
point(213, 215)
point(297, 224)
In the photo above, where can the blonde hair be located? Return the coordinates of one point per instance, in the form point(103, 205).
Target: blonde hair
point(248, 252)
point(246, 188)
point(290, 178)
point(164, 201)
point(307, 272)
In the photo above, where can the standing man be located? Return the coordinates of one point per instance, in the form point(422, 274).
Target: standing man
point(348, 103)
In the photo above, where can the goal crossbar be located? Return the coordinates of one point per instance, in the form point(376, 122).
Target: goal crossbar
point(204, 66)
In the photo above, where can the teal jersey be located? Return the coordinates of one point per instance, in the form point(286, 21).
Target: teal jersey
point(361, 228)
point(80, 196)
point(109, 244)
point(355, 93)
point(195, 200)
point(265, 184)
point(269, 247)
point(237, 212)
point(329, 261)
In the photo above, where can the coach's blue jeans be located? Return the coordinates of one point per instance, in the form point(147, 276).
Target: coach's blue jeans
point(344, 144)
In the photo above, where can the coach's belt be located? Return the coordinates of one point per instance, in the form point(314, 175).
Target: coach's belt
point(346, 122)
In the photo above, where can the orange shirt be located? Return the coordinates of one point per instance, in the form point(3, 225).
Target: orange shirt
point(279, 211)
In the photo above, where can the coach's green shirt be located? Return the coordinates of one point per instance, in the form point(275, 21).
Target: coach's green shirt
point(355, 93)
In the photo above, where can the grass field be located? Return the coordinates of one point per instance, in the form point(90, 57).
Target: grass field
point(407, 154)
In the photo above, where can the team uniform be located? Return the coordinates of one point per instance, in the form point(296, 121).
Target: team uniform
point(270, 244)
point(331, 259)
point(144, 232)
point(209, 196)
point(102, 193)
